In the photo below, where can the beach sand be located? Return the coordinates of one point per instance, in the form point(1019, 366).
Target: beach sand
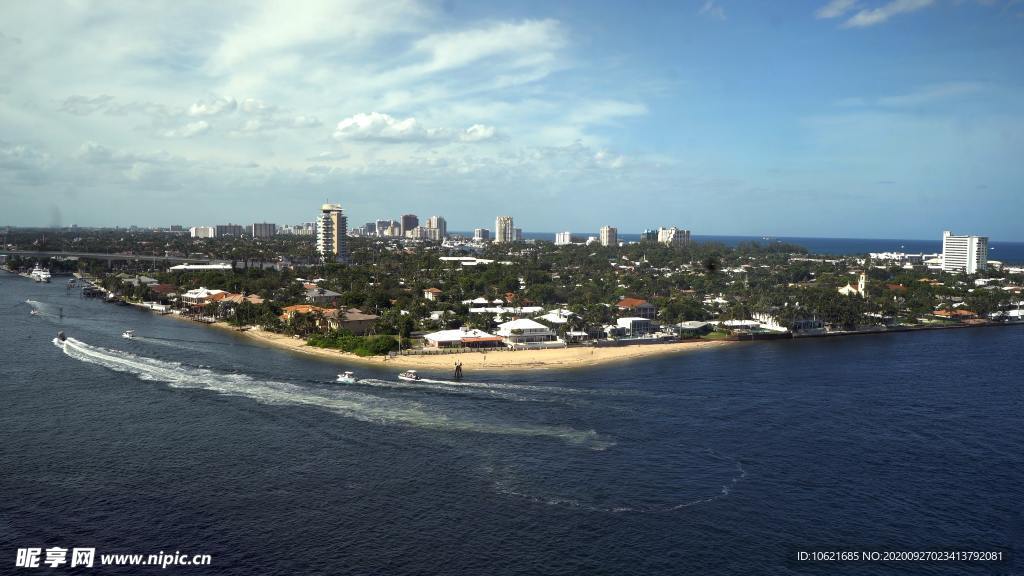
point(552, 358)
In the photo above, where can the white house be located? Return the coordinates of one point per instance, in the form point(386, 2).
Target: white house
point(528, 333)
point(199, 296)
point(635, 325)
point(461, 338)
point(557, 316)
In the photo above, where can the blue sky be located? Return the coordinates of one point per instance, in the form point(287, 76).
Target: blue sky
point(852, 118)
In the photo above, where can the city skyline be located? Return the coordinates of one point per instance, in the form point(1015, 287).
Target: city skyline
point(729, 118)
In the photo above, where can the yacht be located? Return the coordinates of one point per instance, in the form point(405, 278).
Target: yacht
point(409, 375)
point(128, 334)
point(40, 274)
point(347, 378)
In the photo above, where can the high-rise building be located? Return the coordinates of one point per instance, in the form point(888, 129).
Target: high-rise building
point(331, 232)
point(481, 234)
point(649, 236)
point(563, 238)
point(381, 226)
point(409, 221)
point(437, 223)
point(609, 236)
point(228, 230)
point(264, 230)
point(674, 236)
point(202, 231)
point(504, 231)
point(964, 253)
point(517, 234)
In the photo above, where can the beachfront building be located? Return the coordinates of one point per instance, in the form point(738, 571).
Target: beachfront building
point(223, 230)
point(526, 333)
point(563, 238)
point(609, 236)
point(504, 231)
point(557, 316)
point(968, 254)
point(637, 307)
point(674, 237)
point(352, 320)
point(202, 231)
point(462, 338)
point(317, 295)
point(331, 230)
point(635, 326)
point(202, 296)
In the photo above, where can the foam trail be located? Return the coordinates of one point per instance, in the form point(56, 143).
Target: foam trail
point(359, 406)
point(478, 392)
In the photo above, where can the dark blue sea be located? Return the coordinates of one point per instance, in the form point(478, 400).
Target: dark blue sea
point(1006, 252)
point(724, 461)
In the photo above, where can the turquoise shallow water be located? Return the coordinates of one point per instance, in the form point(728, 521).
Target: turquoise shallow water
point(720, 462)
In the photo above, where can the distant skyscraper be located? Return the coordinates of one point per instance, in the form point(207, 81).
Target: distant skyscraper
point(517, 234)
point(964, 253)
point(202, 231)
point(331, 232)
point(563, 238)
point(609, 236)
point(264, 230)
point(409, 221)
point(649, 236)
point(382, 225)
point(437, 223)
point(504, 230)
point(481, 234)
point(674, 236)
point(228, 230)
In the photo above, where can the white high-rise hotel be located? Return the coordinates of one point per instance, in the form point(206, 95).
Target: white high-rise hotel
point(609, 236)
point(504, 231)
point(331, 232)
point(964, 253)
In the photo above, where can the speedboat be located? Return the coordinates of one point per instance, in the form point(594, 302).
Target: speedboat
point(409, 375)
point(347, 378)
point(40, 274)
point(34, 312)
point(128, 334)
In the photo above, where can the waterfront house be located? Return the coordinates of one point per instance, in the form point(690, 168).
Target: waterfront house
point(462, 338)
point(637, 307)
point(199, 297)
point(692, 328)
point(635, 325)
point(527, 333)
point(320, 296)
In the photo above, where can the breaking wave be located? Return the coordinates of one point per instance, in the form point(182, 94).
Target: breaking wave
point(345, 402)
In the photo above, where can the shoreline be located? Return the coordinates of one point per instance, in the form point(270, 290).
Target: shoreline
point(494, 361)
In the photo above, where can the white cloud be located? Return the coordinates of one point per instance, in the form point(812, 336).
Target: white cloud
point(530, 43)
point(712, 9)
point(873, 16)
point(188, 130)
point(835, 8)
point(212, 107)
point(382, 127)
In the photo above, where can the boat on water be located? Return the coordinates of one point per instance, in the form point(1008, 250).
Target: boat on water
point(40, 274)
point(128, 334)
point(347, 378)
point(409, 375)
point(33, 312)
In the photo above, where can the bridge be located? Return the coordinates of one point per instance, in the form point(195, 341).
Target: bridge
point(106, 256)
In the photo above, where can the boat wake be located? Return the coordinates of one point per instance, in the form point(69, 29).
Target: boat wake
point(345, 402)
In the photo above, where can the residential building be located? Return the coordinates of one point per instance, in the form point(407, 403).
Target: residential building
point(380, 226)
point(317, 295)
point(609, 236)
point(202, 231)
point(637, 307)
point(504, 231)
point(439, 227)
point(563, 238)
point(409, 221)
point(526, 332)
point(432, 294)
point(332, 229)
point(223, 230)
point(202, 296)
point(649, 236)
point(353, 320)
point(635, 326)
point(197, 267)
point(518, 234)
point(462, 338)
point(264, 230)
point(481, 234)
point(967, 254)
point(674, 237)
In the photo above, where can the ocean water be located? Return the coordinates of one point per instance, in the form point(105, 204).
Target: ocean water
point(726, 461)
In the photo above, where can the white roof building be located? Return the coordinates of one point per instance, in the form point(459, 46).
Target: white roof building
point(557, 316)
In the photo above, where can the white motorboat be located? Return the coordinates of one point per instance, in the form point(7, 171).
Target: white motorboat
point(33, 312)
point(128, 334)
point(40, 274)
point(347, 378)
point(409, 375)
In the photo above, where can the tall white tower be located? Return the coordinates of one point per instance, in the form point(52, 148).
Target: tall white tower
point(331, 233)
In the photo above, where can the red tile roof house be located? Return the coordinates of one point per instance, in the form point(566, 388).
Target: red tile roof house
point(354, 320)
point(637, 307)
point(432, 294)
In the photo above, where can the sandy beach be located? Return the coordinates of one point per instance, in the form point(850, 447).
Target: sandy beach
point(554, 358)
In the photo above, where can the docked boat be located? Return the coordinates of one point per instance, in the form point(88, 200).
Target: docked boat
point(128, 334)
point(40, 274)
point(409, 375)
point(347, 378)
